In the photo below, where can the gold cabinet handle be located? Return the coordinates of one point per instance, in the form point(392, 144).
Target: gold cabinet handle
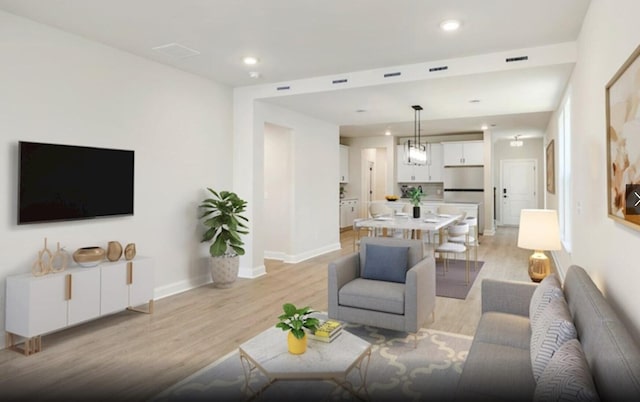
point(129, 273)
point(69, 283)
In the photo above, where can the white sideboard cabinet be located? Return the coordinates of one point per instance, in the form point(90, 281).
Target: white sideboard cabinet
point(36, 305)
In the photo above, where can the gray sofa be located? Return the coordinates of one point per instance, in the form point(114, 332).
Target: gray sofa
point(509, 359)
point(397, 306)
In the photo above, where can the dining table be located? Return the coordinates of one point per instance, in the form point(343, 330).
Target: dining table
point(408, 224)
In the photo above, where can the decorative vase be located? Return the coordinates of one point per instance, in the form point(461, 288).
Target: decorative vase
point(89, 256)
point(416, 211)
point(114, 251)
point(130, 251)
point(296, 346)
point(224, 271)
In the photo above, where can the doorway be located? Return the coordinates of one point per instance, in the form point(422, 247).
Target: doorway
point(518, 188)
point(373, 177)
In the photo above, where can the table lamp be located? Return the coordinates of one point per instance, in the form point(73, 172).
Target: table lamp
point(539, 231)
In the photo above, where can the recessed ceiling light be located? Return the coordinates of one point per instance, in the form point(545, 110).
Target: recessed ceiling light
point(387, 132)
point(484, 127)
point(254, 74)
point(250, 60)
point(450, 25)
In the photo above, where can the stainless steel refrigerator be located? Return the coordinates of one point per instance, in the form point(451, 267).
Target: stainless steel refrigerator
point(465, 184)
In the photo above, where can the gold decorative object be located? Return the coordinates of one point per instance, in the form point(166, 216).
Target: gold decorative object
point(59, 260)
point(130, 251)
point(114, 251)
point(42, 265)
point(89, 256)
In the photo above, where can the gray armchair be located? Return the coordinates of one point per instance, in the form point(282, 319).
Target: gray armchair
point(391, 305)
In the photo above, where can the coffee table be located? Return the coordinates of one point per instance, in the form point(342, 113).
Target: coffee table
point(268, 353)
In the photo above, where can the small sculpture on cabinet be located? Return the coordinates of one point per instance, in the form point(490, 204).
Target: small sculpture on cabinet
point(130, 251)
point(114, 251)
point(42, 265)
point(59, 260)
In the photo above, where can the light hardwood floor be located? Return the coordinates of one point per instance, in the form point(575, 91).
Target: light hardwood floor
point(133, 356)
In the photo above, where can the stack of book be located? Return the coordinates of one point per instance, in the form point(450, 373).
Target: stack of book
point(327, 331)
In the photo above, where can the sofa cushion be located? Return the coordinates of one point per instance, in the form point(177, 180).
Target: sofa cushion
point(548, 289)
point(566, 377)
point(386, 263)
point(496, 373)
point(374, 295)
point(504, 329)
point(552, 329)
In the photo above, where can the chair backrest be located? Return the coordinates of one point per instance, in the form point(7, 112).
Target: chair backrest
point(415, 248)
point(458, 229)
point(379, 209)
point(450, 210)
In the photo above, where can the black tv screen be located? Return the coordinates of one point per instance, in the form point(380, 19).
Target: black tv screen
point(65, 182)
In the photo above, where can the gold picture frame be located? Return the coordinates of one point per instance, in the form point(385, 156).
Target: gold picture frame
point(622, 95)
point(551, 171)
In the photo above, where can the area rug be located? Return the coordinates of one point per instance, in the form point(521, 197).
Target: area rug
point(397, 372)
point(452, 283)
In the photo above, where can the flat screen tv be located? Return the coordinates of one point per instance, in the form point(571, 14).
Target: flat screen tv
point(65, 182)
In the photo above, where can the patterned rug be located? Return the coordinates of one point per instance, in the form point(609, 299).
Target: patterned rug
point(397, 372)
point(452, 283)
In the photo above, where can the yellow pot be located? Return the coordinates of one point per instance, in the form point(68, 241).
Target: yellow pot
point(296, 346)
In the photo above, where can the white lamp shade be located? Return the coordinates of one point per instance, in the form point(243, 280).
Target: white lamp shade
point(539, 230)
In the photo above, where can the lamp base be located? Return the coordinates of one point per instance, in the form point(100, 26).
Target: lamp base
point(539, 266)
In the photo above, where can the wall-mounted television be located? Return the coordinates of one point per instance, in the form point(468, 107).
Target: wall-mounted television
point(66, 182)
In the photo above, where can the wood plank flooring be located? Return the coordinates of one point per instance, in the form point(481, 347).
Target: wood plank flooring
point(133, 356)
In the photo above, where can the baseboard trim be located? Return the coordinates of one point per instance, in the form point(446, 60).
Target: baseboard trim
point(252, 272)
point(181, 286)
point(489, 232)
point(296, 258)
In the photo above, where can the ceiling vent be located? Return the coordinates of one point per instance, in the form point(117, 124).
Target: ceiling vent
point(284, 88)
point(512, 59)
point(396, 74)
point(441, 68)
point(342, 81)
point(176, 50)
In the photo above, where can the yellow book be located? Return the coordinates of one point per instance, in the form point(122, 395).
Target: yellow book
point(327, 328)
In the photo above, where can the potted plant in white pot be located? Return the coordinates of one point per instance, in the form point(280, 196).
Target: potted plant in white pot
point(224, 223)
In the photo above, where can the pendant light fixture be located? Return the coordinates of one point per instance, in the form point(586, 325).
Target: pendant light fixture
point(516, 142)
point(416, 152)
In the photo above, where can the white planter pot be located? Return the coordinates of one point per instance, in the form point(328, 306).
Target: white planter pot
point(224, 270)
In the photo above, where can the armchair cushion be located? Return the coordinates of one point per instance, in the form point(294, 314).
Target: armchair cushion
point(386, 263)
point(368, 294)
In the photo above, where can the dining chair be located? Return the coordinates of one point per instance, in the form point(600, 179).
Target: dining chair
point(471, 240)
point(448, 247)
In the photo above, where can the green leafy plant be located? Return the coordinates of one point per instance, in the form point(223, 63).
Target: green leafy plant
point(415, 195)
point(222, 216)
point(296, 320)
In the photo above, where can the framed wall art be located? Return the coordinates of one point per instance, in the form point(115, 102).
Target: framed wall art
point(623, 142)
point(551, 171)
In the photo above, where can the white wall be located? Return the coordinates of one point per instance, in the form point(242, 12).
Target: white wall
point(278, 190)
point(315, 169)
point(606, 249)
point(60, 88)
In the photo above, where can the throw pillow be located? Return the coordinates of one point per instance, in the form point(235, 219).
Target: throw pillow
point(548, 289)
point(566, 377)
point(386, 263)
point(553, 328)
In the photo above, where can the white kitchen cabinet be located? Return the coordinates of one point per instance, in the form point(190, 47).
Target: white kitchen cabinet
point(409, 173)
point(348, 212)
point(39, 305)
point(344, 164)
point(435, 163)
point(464, 153)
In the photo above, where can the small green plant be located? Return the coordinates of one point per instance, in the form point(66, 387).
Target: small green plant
point(296, 320)
point(415, 195)
point(225, 222)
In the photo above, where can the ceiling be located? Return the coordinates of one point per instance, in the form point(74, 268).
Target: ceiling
point(297, 39)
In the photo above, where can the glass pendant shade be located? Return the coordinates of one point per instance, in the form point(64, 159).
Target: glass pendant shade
point(415, 152)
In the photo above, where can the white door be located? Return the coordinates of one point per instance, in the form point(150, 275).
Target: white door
point(517, 189)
